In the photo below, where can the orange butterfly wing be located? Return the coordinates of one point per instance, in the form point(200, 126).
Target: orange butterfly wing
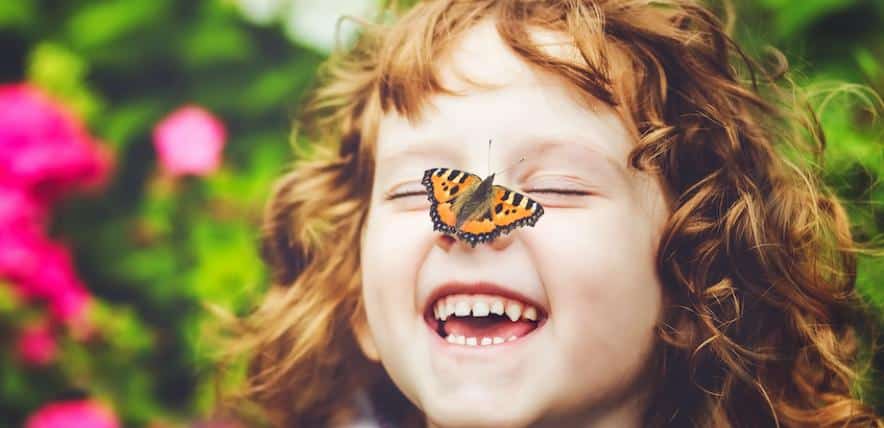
point(509, 210)
point(443, 185)
point(478, 231)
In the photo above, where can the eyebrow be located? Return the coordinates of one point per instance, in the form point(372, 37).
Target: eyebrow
point(530, 147)
point(424, 148)
point(544, 145)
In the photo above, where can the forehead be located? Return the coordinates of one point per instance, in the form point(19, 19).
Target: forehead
point(504, 99)
point(481, 56)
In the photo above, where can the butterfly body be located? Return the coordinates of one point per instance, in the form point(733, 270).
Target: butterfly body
point(473, 202)
point(473, 209)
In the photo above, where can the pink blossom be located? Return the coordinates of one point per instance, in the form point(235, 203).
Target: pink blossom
point(189, 141)
point(69, 304)
point(44, 148)
point(19, 209)
point(20, 252)
point(42, 269)
point(73, 414)
point(45, 151)
point(36, 344)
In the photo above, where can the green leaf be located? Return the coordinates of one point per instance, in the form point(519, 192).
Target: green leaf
point(63, 73)
point(17, 14)
point(215, 43)
point(123, 124)
point(869, 275)
point(101, 23)
point(9, 300)
point(274, 88)
point(791, 17)
point(265, 154)
point(227, 268)
point(867, 62)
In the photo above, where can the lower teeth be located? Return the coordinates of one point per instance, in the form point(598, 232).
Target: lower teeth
point(473, 341)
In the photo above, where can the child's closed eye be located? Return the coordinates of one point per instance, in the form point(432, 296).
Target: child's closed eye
point(405, 194)
point(558, 190)
point(556, 197)
point(571, 192)
point(405, 191)
point(407, 197)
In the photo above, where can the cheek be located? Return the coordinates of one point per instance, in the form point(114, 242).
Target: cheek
point(391, 253)
point(598, 268)
point(388, 231)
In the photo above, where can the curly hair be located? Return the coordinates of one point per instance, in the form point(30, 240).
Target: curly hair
point(762, 325)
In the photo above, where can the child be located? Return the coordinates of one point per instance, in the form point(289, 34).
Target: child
point(685, 272)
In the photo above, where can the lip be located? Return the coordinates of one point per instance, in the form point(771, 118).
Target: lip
point(485, 354)
point(480, 287)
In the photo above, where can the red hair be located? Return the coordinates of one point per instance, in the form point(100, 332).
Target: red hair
point(761, 319)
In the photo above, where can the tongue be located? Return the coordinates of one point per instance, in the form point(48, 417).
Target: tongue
point(491, 326)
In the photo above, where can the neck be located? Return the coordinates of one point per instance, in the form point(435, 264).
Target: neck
point(625, 414)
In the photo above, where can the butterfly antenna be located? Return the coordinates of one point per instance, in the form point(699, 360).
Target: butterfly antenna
point(511, 166)
point(488, 167)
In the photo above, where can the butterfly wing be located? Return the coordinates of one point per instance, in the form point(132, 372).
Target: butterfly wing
point(479, 230)
point(443, 186)
point(509, 210)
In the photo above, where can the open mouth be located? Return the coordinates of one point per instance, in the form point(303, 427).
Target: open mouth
point(482, 320)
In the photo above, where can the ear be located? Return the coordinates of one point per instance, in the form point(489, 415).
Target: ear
point(364, 338)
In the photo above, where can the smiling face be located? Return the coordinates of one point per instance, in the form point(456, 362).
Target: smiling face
point(549, 323)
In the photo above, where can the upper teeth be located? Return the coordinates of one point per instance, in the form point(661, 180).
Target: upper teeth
point(481, 306)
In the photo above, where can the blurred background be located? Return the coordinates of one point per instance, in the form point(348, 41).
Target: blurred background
point(139, 138)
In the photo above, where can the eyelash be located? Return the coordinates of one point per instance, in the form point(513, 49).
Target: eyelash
point(567, 192)
point(405, 194)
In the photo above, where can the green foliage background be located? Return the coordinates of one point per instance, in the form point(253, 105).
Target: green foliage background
point(152, 250)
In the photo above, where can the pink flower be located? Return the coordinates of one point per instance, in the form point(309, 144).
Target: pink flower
point(19, 209)
point(36, 344)
point(20, 252)
point(41, 269)
point(44, 148)
point(69, 304)
point(189, 141)
point(73, 414)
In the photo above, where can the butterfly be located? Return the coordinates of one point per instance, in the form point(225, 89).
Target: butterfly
point(473, 209)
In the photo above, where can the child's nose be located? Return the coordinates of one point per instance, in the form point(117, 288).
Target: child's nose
point(448, 242)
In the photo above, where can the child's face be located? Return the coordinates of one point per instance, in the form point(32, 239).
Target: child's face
point(587, 265)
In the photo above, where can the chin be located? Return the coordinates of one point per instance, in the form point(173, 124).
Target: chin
point(486, 419)
point(474, 413)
